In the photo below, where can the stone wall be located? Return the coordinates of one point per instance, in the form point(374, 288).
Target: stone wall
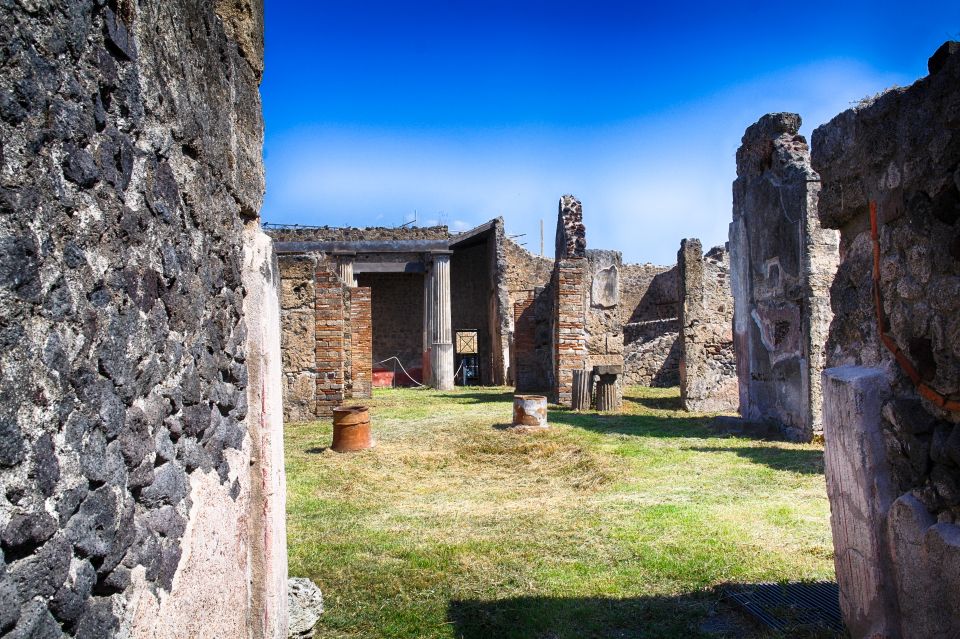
point(604, 313)
point(298, 325)
point(526, 275)
point(295, 233)
point(891, 421)
point(651, 311)
point(326, 336)
point(708, 377)
point(140, 443)
point(782, 264)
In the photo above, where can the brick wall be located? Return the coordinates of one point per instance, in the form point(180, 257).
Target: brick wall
point(397, 316)
point(329, 346)
point(361, 326)
point(524, 344)
point(570, 341)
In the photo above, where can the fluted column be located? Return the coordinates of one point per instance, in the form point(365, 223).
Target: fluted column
point(441, 334)
point(345, 272)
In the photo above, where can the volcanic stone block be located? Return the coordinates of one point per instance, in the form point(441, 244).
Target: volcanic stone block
point(131, 377)
point(571, 233)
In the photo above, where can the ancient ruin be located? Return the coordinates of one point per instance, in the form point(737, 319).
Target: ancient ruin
point(356, 298)
point(708, 380)
point(781, 265)
point(141, 440)
point(651, 324)
point(890, 182)
point(155, 337)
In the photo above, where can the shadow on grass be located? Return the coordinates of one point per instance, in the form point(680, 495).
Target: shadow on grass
point(807, 462)
point(656, 403)
point(481, 397)
point(636, 425)
point(703, 615)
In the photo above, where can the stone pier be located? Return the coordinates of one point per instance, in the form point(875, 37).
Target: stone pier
point(569, 286)
point(781, 266)
point(708, 380)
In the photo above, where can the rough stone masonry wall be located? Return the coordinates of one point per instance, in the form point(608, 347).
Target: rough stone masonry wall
point(893, 453)
point(708, 376)
point(353, 234)
point(781, 265)
point(140, 468)
point(298, 298)
point(604, 319)
point(650, 298)
point(526, 276)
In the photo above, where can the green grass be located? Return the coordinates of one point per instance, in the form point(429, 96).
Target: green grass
point(602, 526)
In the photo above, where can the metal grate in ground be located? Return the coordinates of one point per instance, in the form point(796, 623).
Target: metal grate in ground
point(791, 606)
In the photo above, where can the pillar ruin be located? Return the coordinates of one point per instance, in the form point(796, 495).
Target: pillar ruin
point(890, 183)
point(438, 322)
point(781, 266)
point(569, 286)
point(708, 379)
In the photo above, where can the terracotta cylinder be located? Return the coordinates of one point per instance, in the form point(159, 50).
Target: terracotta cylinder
point(351, 429)
point(530, 410)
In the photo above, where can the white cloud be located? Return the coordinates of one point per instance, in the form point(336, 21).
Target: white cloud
point(645, 183)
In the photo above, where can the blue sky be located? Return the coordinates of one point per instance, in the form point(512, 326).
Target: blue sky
point(462, 111)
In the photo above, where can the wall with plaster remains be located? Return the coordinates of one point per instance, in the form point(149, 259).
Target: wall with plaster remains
point(781, 265)
point(708, 376)
point(141, 477)
point(603, 321)
point(651, 324)
point(893, 450)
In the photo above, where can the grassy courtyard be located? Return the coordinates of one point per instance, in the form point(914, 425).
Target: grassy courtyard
point(605, 526)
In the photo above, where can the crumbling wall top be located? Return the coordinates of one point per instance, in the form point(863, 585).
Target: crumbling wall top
point(774, 143)
point(571, 233)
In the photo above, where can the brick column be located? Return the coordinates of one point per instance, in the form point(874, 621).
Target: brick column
point(571, 338)
point(329, 336)
point(441, 334)
point(361, 328)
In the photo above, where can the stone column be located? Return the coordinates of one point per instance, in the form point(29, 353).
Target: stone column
point(345, 271)
point(441, 334)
